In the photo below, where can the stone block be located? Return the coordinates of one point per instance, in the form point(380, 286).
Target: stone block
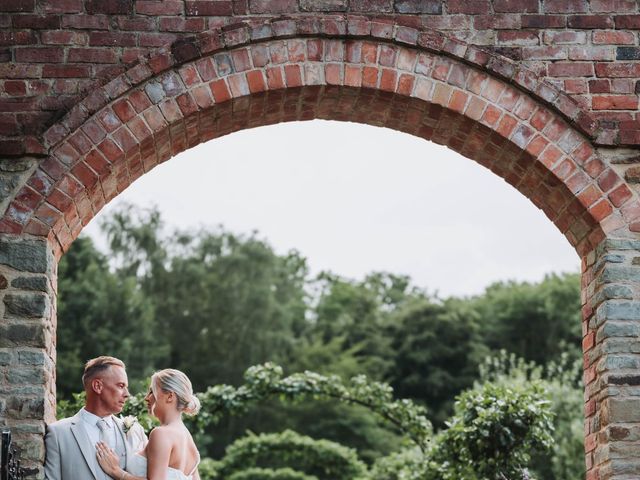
point(26, 376)
point(22, 408)
point(429, 7)
point(32, 335)
point(324, 5)
point(8, 184)
point(155, 91)
point(624, 380)
point(31, 357)
point(620, 362)
point(30, 283)
point(624, 410)
point(33, 305)
point(618, 329)
point(618, 311)
point(5, 357)
point(26, 255)
point(15, 164)
point(620, 345)
point(620, 244)
point(617, 291)
point(29, 427)
point(628, 53)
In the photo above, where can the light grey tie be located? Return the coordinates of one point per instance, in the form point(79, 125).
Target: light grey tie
point(105, 432)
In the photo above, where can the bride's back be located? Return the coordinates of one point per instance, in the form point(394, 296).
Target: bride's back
point(175, 440)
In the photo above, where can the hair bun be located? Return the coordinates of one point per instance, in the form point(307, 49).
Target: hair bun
point(193, 407)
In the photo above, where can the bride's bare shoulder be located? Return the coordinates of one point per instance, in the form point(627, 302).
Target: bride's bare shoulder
point(161, 434)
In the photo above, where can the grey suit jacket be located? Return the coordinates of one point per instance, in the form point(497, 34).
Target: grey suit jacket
point(69, 453)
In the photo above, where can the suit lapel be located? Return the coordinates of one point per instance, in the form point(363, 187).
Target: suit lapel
point(84, 443)
point(120, 427)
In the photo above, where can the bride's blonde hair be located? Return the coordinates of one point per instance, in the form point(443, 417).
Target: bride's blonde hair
point(171, 380)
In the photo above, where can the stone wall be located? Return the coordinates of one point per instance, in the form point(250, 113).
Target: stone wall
point(27, 342)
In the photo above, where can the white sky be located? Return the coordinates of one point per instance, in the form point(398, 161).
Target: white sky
point(355, 199)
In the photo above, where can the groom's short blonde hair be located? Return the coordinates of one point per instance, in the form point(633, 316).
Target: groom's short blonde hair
point(98, 365)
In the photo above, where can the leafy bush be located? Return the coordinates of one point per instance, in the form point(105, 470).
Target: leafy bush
point(268, 474)
point(562, 381)
point(404, 465)
point(490, 437)
point(495, 429)
point(319, 458)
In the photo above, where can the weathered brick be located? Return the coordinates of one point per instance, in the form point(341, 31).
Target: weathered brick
point(516, 6)
point(36, 22)
point(430, 7)
point(92, 55)
point(86, 22)
point(155, 7)
point(61, 6)
point(615, 102)
point(111, 7)
point(565, 6)
point(17, 5)
point(114, 39)
point(273, 6)
point(377, 6)
point(590, 21)
point(209, 8)
point(39, 54)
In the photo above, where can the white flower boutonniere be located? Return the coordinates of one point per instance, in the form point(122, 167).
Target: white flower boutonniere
point(134, 433)
point(128, 422)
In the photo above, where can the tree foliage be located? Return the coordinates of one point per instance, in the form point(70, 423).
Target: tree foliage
point(213, 303)
point(562, 380)
point(101, 311)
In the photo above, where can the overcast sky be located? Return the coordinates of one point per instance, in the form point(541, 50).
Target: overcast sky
point(355, 199)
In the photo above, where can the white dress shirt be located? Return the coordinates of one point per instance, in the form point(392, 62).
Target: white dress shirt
point(90, 424)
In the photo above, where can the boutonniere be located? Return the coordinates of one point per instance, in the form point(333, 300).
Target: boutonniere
point(128, 422)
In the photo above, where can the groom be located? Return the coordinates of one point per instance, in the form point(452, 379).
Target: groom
point(71, 443)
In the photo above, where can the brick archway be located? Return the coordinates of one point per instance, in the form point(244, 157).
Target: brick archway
point(424, 84)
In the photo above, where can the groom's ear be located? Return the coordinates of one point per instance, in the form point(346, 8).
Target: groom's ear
point(97, 385)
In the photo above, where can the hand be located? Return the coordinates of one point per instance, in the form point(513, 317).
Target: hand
point(108, 460)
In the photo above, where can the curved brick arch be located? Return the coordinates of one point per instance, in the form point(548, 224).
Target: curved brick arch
point(549, 161)
point(226, 81)
point(331, 26)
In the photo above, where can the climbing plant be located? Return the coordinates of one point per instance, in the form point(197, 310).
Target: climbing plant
point(266, 381)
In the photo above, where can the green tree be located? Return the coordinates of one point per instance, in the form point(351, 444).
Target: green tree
point(562, 380)
point(101, 312)
point(359, 314)
point(437, 346)
point(537, 322)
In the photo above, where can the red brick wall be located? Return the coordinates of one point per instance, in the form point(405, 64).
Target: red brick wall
point(54, 52)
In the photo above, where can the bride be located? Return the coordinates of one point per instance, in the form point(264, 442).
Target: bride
point(171, 453)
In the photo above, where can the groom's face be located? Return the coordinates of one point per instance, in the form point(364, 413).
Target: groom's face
point(114, 392)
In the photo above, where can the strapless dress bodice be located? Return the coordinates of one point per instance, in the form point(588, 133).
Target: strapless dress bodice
point(137, 465)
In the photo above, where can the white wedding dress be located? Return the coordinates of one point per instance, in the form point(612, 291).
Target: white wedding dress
point(137, 466)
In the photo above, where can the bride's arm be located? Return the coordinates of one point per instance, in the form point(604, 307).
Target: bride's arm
point(158, 454)
point(110, 463)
